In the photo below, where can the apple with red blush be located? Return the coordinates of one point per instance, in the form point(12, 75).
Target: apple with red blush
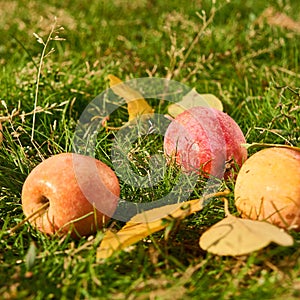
point(205, 140)
point(82, 194)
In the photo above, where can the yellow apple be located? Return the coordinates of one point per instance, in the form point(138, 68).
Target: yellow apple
point(268, 187)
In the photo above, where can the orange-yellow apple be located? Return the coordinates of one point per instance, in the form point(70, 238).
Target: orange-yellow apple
point(82, 192)
point(205, 140)
point(268, 187)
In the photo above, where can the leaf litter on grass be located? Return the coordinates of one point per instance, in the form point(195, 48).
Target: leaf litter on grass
point(193, 99)
point(137, 106)
point(235, 236)
point(235, 89)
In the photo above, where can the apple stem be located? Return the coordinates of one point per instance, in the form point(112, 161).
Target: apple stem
point(41, 208)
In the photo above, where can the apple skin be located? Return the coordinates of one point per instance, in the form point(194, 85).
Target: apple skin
point(268, 187)
point(205, 140)
point(75, 185)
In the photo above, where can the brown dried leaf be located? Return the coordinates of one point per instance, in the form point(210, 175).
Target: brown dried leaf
point(279, 19)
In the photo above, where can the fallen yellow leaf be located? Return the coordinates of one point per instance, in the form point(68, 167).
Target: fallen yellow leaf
point(148, 222)
point(144, 224)
point(193, 99)
point(235, 236)
point(136, 104)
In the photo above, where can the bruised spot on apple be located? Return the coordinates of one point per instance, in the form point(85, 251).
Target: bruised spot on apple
point(205, 140)
point(268, 187)
point(82, 192)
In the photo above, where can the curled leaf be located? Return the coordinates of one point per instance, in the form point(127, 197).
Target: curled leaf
point(148, 222)
point(235, 236)
point(144, 224)
point(193, 99)
point(136, 104)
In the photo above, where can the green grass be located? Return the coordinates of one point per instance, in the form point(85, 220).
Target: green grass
point(252, 66)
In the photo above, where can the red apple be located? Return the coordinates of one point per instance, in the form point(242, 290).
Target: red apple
point(76, 187)
point(205, 140)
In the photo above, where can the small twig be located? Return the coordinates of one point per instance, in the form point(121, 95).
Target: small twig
point(196, 39)
point(43, 55)
point(266, 145)
point(289, 72)
point(274, 132)
point(17, 113)
point(75, 220)
point(226, 207)
point(9, 118)
point(41, 208)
